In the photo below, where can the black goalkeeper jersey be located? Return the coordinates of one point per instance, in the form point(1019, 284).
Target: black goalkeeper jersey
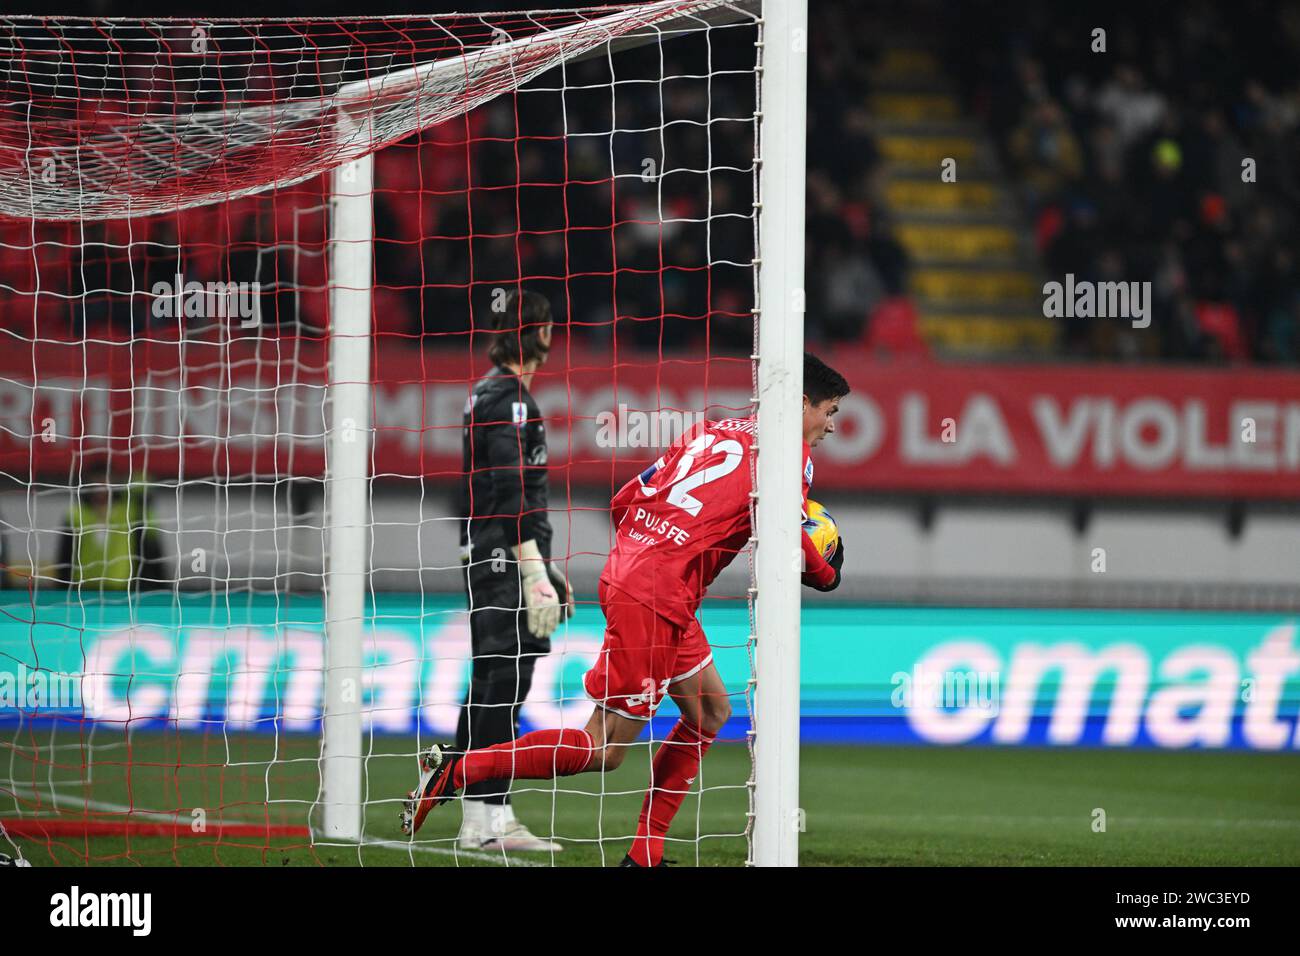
point(503, 498)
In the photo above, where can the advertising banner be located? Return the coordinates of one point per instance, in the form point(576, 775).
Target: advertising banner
point(950, 676)
point(258, 406)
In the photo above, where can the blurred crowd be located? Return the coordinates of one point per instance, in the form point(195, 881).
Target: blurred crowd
point(1166, 158)
point(1169, 157)
point(681, 151)
point(629, 202)
point(854, 263)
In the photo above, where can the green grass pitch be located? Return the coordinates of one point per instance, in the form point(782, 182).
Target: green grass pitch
point(864, 806)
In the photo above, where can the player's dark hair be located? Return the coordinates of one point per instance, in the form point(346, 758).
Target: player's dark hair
point(517, 328)
point(820, 381)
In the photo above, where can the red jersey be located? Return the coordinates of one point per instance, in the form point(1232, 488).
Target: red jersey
point(684, 519)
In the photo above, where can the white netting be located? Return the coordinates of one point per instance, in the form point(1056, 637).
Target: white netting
point(165, 313)
point(62, 80)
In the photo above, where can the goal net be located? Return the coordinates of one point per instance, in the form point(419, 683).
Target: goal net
point(248, 269)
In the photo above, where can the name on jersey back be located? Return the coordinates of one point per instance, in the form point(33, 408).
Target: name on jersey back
point(656, 526)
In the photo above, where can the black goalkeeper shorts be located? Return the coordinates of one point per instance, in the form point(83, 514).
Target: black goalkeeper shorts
point(498, 619)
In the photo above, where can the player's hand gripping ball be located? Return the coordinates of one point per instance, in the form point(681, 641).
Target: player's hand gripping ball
point(820, 527)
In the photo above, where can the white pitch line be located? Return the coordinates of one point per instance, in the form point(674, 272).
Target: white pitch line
point(107, 807)
point(57, 798)
point(1014, 819)
point(498, 858)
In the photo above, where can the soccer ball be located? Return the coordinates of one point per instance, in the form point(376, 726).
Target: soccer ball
point(820, 527)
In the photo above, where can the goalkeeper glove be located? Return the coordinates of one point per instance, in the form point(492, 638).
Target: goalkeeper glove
point(562, 588)
point(539, 594)
point(835, 561)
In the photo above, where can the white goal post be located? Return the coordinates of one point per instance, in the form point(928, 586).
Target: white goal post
point(782, 135)
point(347, 498)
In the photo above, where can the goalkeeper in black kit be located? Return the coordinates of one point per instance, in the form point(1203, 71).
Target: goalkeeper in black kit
point(516, 596)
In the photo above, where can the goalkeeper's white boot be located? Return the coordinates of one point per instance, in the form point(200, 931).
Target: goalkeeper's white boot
point(473, 828)
point(517, 838)
point(496, 828)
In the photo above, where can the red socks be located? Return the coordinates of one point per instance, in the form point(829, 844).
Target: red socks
point(544, 754)
point(671, 774)
point(539, 755)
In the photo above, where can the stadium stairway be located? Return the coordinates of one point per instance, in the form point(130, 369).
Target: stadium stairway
point(975, 275)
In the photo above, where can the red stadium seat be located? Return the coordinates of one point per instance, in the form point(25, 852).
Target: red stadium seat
point(1220, 320)
point(893, 328)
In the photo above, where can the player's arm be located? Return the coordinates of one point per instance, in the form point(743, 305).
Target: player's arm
point(518, 517)
point(154, 572)
point(63, 570)
point(819, 573)
point(515, 518)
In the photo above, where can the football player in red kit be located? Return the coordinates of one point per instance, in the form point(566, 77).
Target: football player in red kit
point(679, 523)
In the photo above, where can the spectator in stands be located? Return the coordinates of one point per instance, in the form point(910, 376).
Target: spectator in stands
point(1167, 121)
point(851, 288)
point(109, 540)
point(1132, 156)
point(1046, 151)
point(1132, 108)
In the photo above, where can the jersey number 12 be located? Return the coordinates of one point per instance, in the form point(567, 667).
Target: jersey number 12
point(682, 484)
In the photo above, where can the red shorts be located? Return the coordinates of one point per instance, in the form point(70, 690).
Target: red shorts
point(642, 655)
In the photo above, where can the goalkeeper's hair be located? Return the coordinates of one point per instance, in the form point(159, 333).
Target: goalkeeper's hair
point(820, 381)
point(517, 328)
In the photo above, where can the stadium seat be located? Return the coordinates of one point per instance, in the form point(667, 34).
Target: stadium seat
point(893, 328)
point(1221, 321)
